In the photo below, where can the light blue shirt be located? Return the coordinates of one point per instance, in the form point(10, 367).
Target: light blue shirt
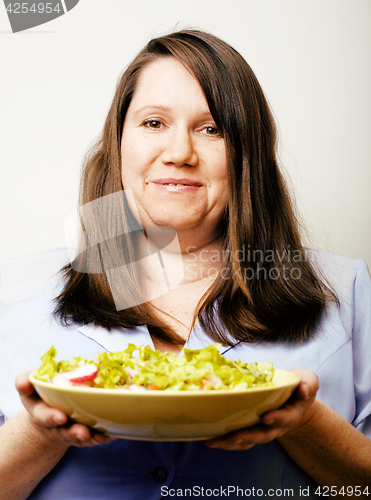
point(339, 352)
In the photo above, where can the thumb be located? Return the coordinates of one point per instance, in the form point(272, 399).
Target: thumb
point(22, 384)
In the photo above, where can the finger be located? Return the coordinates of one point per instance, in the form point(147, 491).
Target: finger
point(78, 435)
point(309, 384)
point(47, 418)
point(286, 415)
point(279, 422)
point(79, 431)
point(70, 434)
point(229, 442)
point(42, 414)
point(298, 404)
point(93, 441)
point(276, 422)
point(22, 384)
point(246, 438)
point(100, 438)
point(228, 446)
point(85, 436)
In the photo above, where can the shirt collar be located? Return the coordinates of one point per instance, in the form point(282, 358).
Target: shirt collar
point(119, 339)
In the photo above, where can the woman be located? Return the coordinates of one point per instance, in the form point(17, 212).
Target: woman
point(186, 168)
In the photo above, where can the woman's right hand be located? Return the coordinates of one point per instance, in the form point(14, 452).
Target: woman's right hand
point(53, 423)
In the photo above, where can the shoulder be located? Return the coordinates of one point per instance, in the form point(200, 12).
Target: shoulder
point(28, 276)
point(350, 280)
point(332, 265)
point(343, 274)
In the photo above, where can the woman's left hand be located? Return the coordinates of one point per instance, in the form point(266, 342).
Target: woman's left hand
point(273, 424)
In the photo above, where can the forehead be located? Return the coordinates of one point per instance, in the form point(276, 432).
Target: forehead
point(167, 80)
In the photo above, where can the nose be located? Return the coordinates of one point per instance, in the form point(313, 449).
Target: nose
point(179, 149)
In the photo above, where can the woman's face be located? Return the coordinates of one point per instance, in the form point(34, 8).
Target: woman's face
point(173, 156)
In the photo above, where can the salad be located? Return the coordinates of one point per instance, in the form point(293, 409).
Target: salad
point(142, 368)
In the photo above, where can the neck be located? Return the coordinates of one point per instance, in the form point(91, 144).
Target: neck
point(202, 262)
point(174, 265)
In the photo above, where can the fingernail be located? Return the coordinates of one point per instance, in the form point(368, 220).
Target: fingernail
point(305, 391)
point(100, 439)
point(58, 420)
point(268, 421)
point(212, 444)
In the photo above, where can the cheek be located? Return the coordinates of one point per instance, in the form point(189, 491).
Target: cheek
point(220, 174)
point(132, 165)
point(219, 165)
point(136, 157)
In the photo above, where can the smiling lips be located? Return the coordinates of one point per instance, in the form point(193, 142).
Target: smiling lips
point(178, 185)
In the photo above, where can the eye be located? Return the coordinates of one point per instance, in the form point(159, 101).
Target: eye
point(152, 124)
point(212, 131)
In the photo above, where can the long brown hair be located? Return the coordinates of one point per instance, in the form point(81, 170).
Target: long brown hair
point(272, 293)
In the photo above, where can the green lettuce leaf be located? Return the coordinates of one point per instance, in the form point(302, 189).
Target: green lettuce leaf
point(141, 366)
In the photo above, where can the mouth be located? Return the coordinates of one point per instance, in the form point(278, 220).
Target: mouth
point(177, 182)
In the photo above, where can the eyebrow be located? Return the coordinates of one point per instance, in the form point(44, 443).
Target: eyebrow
point(204, 112)
point(161, 108)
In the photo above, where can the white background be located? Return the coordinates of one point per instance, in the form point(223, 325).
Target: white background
point(312, 58)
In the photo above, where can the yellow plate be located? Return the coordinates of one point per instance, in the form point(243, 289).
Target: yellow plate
point(165, 415)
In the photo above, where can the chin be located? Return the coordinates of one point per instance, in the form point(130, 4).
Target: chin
point(174, 220)
point(176, 225)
